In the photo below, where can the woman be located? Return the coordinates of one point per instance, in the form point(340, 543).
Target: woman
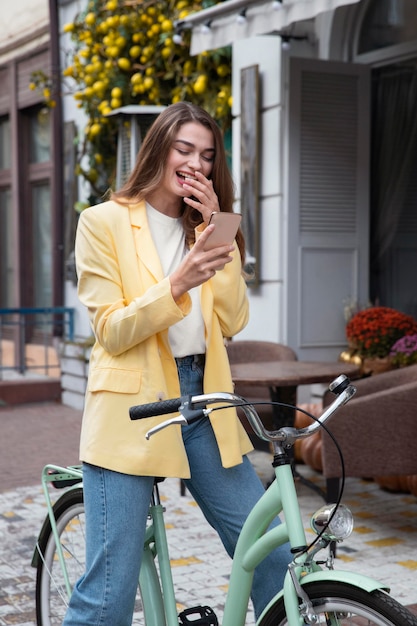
point(160, 306)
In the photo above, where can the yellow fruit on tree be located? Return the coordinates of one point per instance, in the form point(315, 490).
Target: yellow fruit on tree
point(200, 84)
point(99, 86)
point(121, 41)
point(148, 82)
point(112, 51)
point(136, 78)
point(167, 26)
point(90, 18)
point(116, 92)
point(187, 68)
point(94, 129)
point(124, 64)
point(135, 51)
point(223, 70)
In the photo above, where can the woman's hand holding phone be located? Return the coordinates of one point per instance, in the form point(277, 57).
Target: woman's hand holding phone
point(227, 225)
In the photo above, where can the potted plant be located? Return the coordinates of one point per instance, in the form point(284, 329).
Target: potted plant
point(404, 351)
point(372, 332)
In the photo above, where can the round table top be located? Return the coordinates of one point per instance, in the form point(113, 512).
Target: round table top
point(290, 373)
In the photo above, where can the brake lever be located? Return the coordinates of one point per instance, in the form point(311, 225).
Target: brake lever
point(173, 420)
point(188, 415)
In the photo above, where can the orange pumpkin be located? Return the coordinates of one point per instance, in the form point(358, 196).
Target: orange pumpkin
point(311, 451)
point(393, 483)
point(412, 484)
point(302, 420)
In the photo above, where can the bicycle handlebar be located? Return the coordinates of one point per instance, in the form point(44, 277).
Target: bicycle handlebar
point(192, 408)
point(155, 408)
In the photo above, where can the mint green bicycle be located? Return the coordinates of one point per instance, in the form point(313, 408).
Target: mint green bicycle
point(313, 592)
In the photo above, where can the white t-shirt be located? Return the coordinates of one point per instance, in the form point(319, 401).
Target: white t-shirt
point(187, 336)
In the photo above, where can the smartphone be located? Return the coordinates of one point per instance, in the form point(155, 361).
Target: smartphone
point(227, 225)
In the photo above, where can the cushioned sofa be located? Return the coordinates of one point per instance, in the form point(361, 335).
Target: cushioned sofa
point(376, 430)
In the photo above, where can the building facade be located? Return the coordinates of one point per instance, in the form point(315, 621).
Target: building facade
point(336, 158)
point(324, 154)
point(32, 238)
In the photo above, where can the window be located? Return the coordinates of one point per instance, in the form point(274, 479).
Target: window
point(40, 136)
point(42, 245)
point(6, 228)
point(5, 147)
point(388, 23)
point(38, 268)
point(6, 257)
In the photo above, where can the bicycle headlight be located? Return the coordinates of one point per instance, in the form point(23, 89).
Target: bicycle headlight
point(340, 526)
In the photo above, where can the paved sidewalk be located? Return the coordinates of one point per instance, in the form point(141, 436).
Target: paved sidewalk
point(383, 544)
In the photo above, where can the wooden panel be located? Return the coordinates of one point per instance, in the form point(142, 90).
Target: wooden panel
point(328, 150)
point(328, 275)
point(5, 90)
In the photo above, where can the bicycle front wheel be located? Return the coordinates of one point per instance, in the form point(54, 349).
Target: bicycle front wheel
point(51, 594)
point(342, 605)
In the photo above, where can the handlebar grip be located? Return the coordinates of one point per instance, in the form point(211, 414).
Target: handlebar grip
point(151, 409)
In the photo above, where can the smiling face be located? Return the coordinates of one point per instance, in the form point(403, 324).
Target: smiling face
point(192, 150)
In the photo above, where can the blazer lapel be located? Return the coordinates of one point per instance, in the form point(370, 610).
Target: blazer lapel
point(145, 248)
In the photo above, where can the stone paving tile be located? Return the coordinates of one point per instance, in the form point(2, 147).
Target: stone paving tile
point(201, 567)
point(32, 435)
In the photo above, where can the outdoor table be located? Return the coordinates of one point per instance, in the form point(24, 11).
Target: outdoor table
point(283, 377)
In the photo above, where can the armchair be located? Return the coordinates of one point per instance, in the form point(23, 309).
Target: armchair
point(376, 430)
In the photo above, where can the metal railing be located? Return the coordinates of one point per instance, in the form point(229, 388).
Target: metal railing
point(29, 333)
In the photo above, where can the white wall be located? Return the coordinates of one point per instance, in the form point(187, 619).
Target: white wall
point(266, 300)
point(24, 24)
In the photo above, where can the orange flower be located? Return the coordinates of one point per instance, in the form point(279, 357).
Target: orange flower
point(373, 331)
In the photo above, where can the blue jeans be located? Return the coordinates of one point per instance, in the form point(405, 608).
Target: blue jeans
point(116, 507)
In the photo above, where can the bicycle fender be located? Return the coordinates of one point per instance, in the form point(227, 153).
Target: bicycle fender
point(349, 578)
point(342, 576)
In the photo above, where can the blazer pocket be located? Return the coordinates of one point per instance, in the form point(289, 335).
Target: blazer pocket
point(118, 381)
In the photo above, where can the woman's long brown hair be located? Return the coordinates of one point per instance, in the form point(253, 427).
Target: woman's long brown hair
point(148, 171)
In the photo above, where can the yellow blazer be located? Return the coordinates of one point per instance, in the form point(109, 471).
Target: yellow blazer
point(120, 281)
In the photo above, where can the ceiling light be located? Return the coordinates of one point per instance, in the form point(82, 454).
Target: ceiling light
point(241, 18)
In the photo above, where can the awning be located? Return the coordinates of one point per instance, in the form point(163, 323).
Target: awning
point(226, 22)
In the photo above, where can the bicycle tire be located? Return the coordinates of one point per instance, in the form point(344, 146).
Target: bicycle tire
point(51, 595)
point(348, 605)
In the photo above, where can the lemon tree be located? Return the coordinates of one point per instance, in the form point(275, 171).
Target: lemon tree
point(126, 52)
